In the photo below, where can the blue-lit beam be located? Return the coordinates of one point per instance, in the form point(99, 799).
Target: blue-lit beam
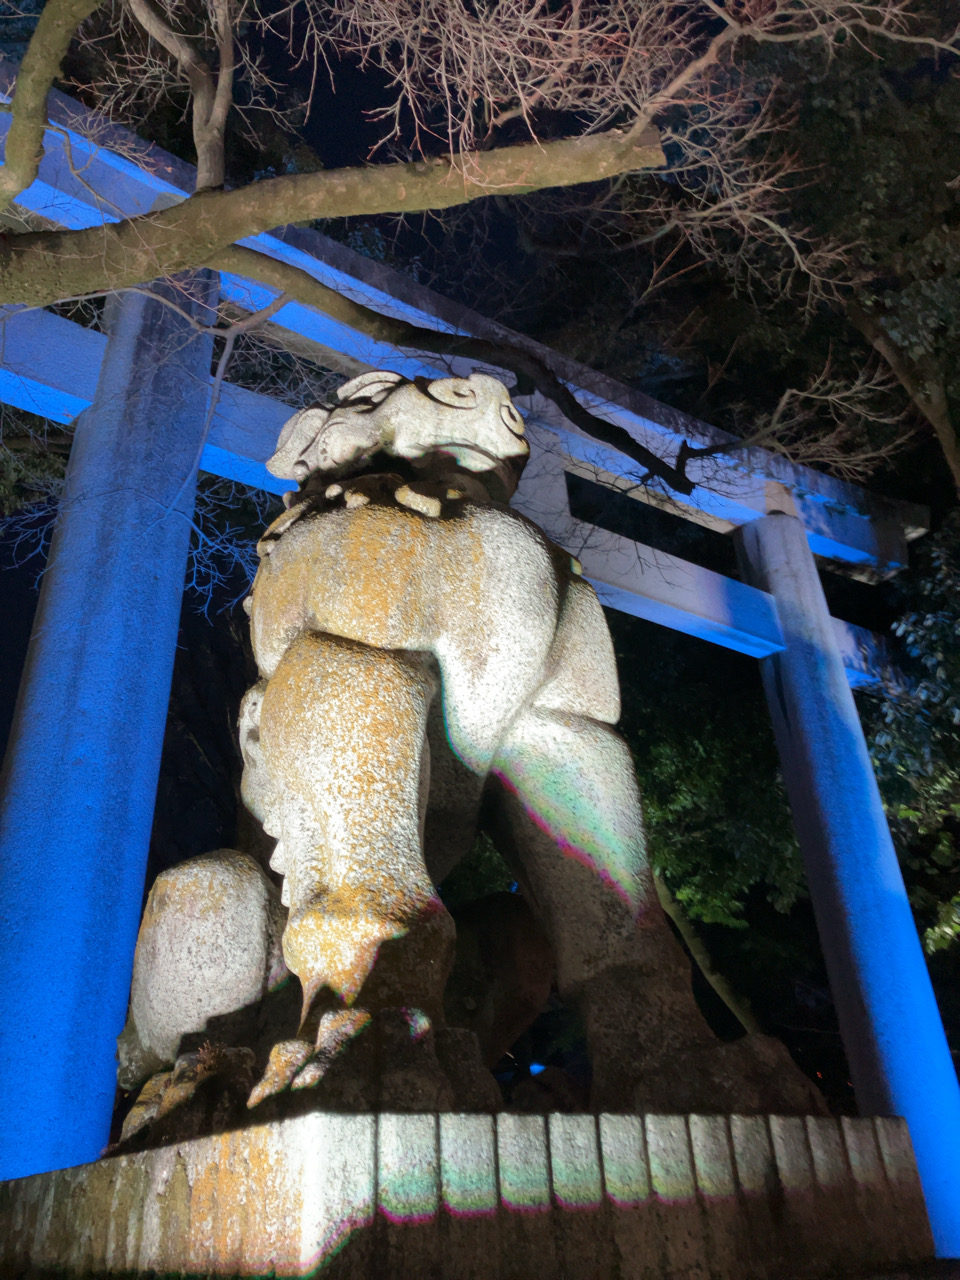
point(891, 1027)
point(50, 366)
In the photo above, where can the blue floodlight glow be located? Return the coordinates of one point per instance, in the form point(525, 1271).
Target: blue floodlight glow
point(891, 1026)
point(79, 780)
point(36, 397)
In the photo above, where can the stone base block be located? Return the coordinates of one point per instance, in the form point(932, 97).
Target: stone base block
point(472, 1197)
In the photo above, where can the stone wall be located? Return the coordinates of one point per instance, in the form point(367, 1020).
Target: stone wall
point(576, 1197)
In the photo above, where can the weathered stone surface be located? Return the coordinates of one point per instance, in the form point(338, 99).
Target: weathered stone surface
point(209, 944)
point(403, 1197)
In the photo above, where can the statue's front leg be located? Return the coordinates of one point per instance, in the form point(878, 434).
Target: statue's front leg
point(342, 737)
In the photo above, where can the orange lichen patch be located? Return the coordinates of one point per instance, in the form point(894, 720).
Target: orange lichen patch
point(379, 575)
point(479, 589)
point(343, 730)
point(198, 893)
point(330, 701)
point(218, 1208)
point(269, 1245)
point(330, 946)
point(387, 559)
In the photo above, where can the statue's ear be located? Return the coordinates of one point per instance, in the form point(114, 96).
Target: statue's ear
point(298, 434)
point(374, 386)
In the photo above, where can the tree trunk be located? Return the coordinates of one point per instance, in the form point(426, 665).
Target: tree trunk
point(921, 379)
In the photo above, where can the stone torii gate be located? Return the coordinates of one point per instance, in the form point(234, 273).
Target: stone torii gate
point(80, 775)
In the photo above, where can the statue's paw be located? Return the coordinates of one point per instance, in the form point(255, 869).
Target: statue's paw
point(310, 1075)
point(286, 1059)
point(188, 1071)
point(144, 1110)
point(298, 1064)
point(337, 1028)
point(168, 1090)
point(164, 1093)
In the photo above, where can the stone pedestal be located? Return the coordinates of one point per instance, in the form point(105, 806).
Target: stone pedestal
point(509, 1197)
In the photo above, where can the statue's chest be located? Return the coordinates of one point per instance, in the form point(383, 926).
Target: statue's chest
point(392, 578)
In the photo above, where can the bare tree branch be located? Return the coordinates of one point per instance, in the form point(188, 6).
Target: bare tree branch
point(852, 425)
point(673, 91)
point(922, 380)
point(41, 64)
point(40, 267)
point(211, 95)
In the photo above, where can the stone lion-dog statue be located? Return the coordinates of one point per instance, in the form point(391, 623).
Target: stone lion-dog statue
point(430, 665)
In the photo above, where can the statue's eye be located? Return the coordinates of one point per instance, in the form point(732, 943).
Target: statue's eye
point(464, 392)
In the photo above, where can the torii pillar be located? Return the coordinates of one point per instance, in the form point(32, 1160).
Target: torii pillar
point(80, 775)
point(891, 1027)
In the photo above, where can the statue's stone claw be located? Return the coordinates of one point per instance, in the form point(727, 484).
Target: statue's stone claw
point(163, 1093)
point(310, 1075)
point(147, 1105)
point(188, 1071)
point(286, 1059)
point(297, 1064)
point(168, 1090)
point(337, 1028)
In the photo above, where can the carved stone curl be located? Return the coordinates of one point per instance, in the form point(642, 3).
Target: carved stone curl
point(432, 665)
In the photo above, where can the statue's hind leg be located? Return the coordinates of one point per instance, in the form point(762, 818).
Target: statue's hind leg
point(566, 810)
point(567, 813)
point(343, 740)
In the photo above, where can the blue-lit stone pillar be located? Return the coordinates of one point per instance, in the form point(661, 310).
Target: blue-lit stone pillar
point(80, 775)
point(889, 1020)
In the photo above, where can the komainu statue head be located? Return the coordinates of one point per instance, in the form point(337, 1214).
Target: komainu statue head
point(471, 420)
